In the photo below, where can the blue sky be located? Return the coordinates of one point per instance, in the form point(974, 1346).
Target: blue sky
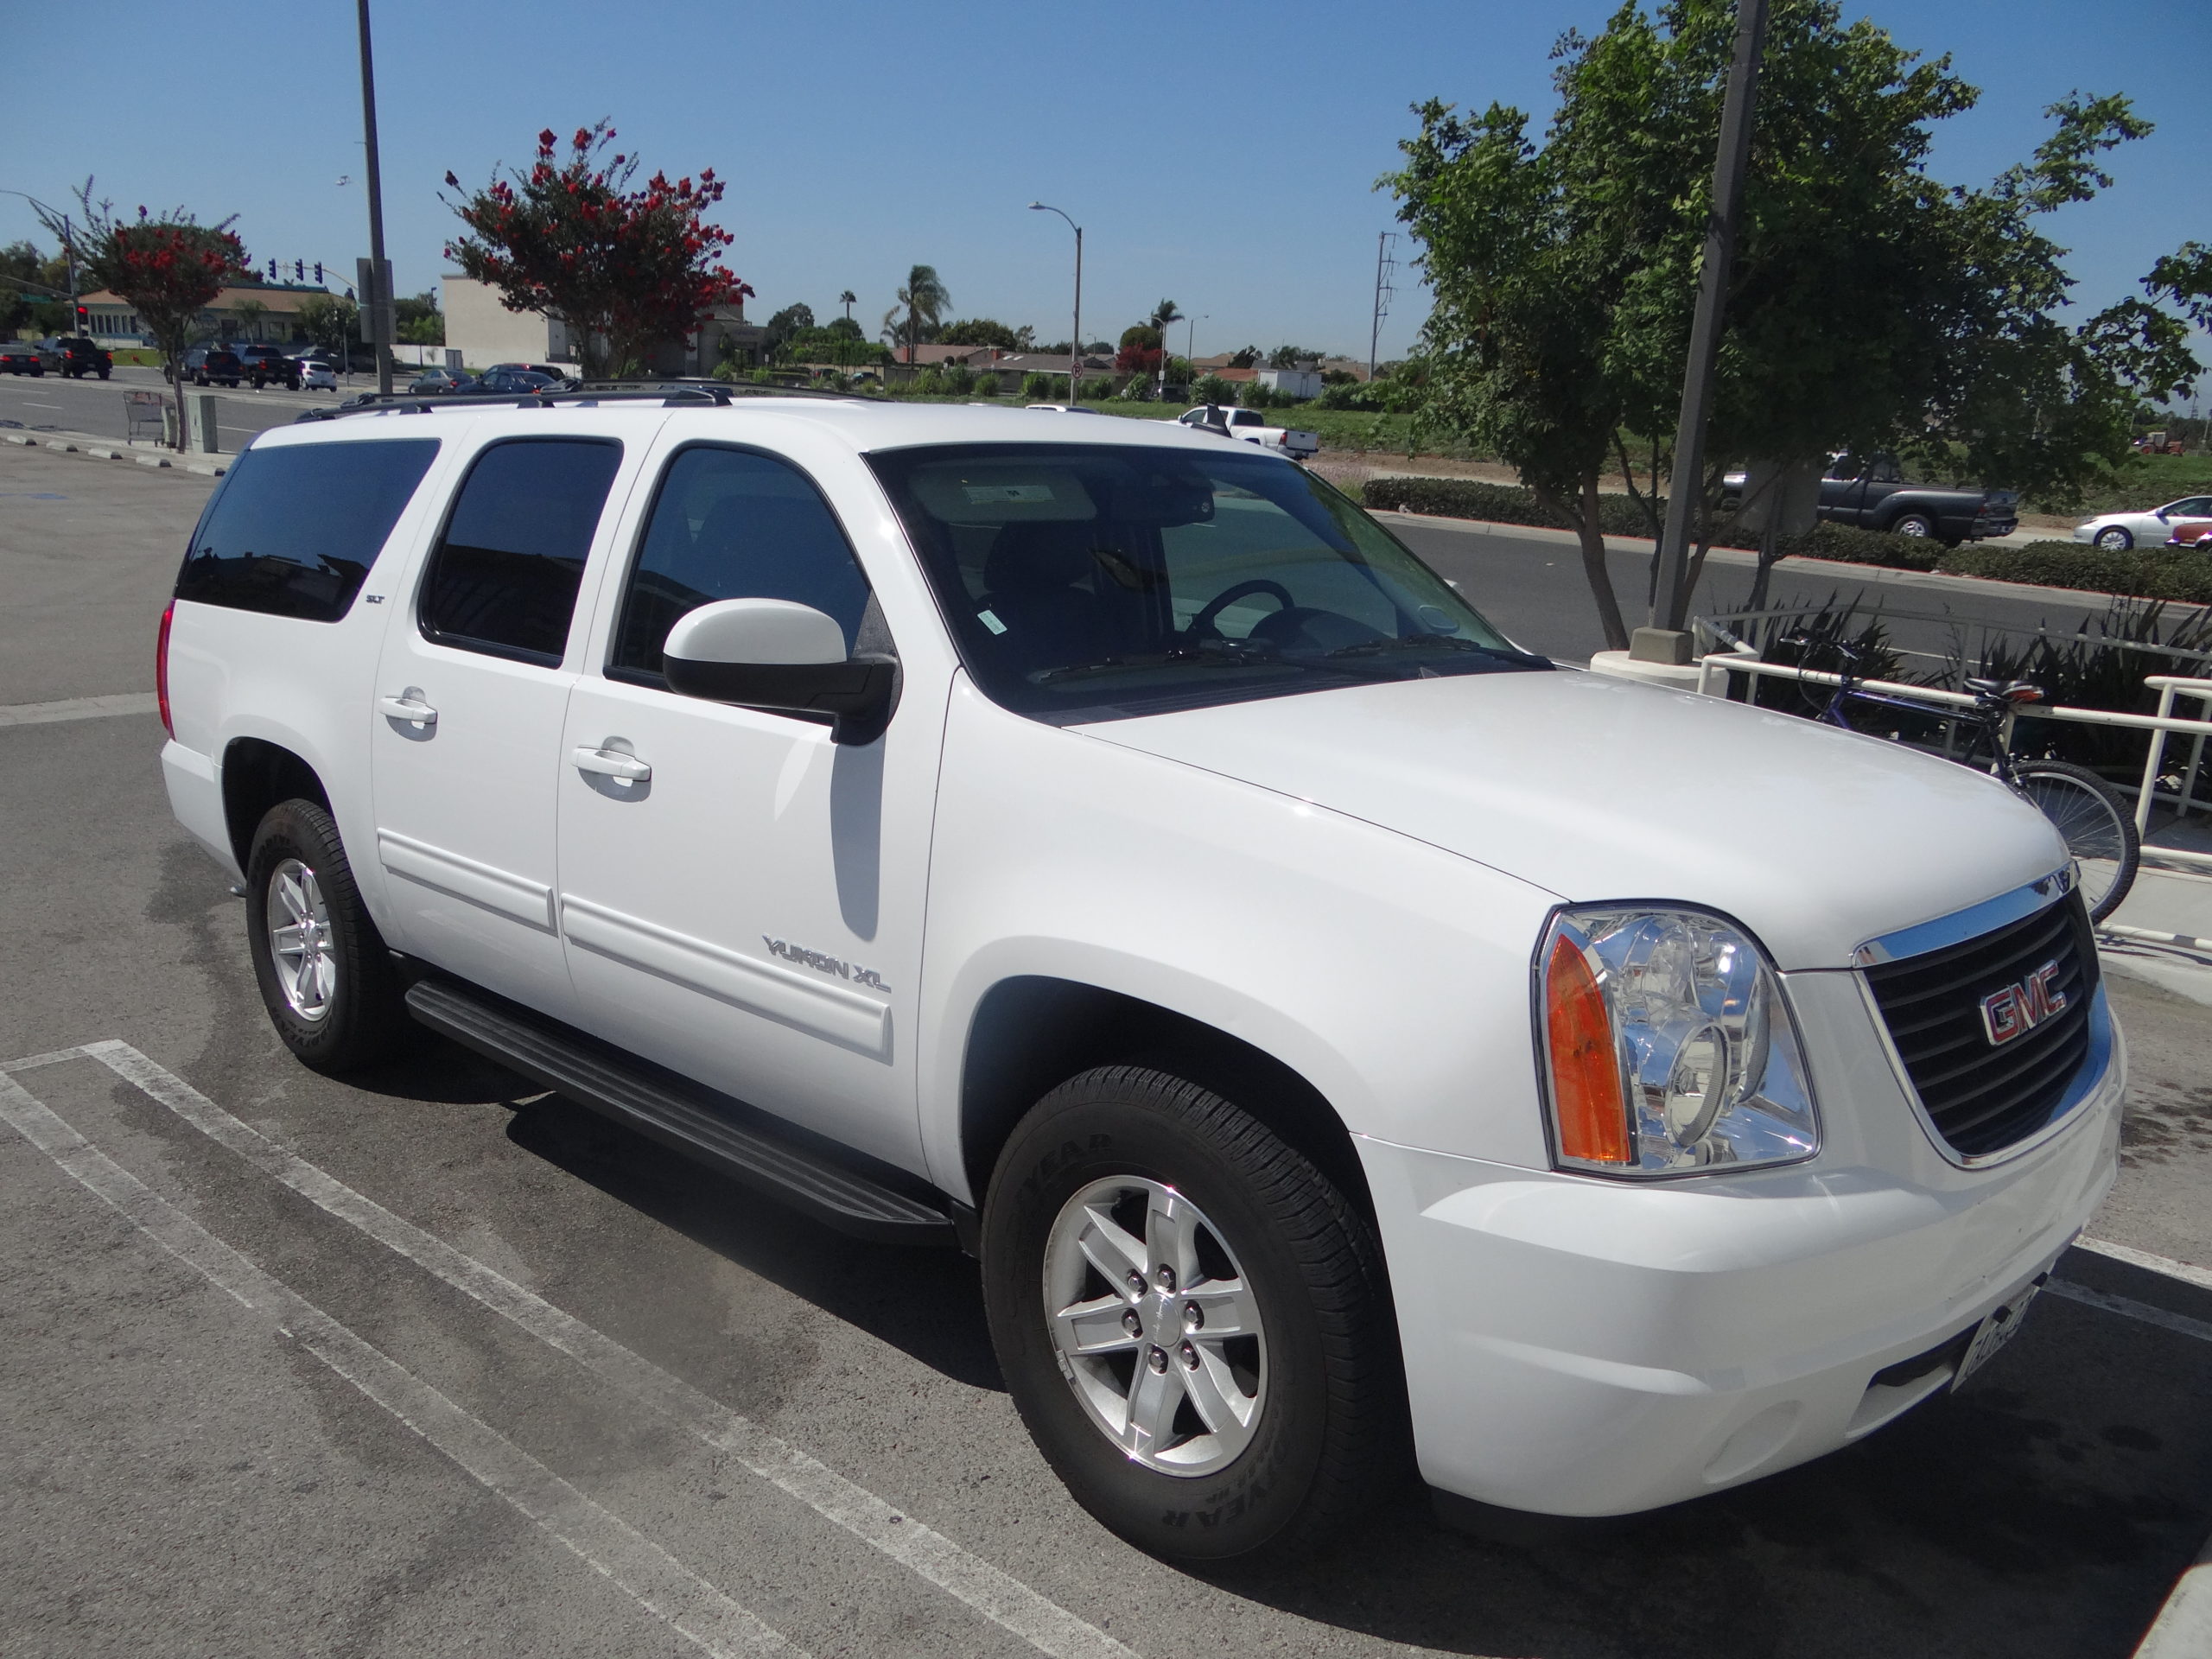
point(1219, 155)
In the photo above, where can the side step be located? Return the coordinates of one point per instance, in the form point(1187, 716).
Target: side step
point(735, 1139)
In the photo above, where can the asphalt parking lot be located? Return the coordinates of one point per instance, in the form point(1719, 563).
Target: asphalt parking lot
point(421, 1362)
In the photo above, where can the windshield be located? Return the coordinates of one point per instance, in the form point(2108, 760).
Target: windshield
point(1093, 581)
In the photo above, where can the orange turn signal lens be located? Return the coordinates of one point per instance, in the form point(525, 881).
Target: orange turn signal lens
point(1589, 1105)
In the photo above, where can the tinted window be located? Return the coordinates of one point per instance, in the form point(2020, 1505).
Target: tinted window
point(294, 530)
point(503, 577)
point(728, 523)
point(1088, 582)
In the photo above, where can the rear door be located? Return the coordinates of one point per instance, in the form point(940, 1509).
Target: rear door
point(471, 693)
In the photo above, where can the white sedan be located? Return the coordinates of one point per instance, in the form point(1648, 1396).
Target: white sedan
point(2152, 529)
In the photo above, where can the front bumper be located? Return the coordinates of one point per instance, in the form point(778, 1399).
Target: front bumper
point(1581, 1347)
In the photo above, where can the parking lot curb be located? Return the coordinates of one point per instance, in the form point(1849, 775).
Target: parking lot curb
point(2183, 1627)
point(65, 448)
point(151, 460)
point(19, 437)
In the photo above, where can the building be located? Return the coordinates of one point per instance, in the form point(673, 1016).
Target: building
point(242, 312)
point(484, 332)
point(1297, 383)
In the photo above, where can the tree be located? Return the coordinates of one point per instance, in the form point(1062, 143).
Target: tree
point(417, 319)
point(780, 328)
point(849, 299)
point(626, 269)
point(1869, 306)
point(1246, 358)
point(1292, 357)
point(167, 270)
point(330, 321)
point(249, 313)
point(20, 284)
point(980, 331)
point(925, 299)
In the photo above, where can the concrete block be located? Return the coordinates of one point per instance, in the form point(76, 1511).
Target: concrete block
point(205, 469)
point(63, 446)
point(151, 460)
point(18, 437)
point(105, 454)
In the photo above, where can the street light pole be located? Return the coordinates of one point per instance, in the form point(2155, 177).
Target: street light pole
point(1075, 345)
point(380, 301)
point(1665, 640)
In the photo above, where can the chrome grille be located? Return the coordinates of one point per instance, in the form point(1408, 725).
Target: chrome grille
point(1984, 1095)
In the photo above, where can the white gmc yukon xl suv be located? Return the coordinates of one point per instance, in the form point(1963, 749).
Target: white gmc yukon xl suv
point(1108, 849)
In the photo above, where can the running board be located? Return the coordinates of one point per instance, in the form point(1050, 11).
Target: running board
point(734, 1139)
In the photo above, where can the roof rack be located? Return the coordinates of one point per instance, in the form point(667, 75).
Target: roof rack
point(712, 393)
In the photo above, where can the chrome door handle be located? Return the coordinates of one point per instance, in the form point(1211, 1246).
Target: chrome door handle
point(409, 706)
point(607, 763)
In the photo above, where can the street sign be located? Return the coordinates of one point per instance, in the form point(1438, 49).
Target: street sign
point(372, 281)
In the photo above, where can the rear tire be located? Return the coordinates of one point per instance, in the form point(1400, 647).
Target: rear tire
point(324, 973)
point(1913, 523)
point(2095, 822)
point(1280, 1436)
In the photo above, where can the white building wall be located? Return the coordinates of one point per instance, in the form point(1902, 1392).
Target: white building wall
point(484, 332)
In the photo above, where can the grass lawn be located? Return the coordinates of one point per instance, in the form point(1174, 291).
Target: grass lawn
point(2147, 481)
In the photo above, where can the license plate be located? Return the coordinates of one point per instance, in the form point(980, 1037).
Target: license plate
point(1999, 1327)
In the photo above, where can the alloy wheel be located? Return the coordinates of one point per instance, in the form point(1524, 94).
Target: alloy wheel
point(300, 944)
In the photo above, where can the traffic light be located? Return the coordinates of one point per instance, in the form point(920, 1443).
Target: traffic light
point(272, 270)
point(318, 273)
point(84, 318)
point(298, 271)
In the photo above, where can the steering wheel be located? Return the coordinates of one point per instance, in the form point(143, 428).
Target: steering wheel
point(1202, 625)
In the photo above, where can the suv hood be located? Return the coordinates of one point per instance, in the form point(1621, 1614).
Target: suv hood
point(1596, 788)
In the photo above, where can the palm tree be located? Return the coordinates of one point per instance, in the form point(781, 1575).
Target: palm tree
point(1162, 315)
point(926, 300)
point(848, 299)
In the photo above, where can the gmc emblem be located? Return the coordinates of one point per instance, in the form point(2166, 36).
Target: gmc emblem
point(2021, 1007)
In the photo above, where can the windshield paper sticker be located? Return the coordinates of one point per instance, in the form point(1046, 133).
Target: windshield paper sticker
point(981, 493)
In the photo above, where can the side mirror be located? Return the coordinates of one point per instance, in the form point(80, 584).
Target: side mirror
point(785, 658)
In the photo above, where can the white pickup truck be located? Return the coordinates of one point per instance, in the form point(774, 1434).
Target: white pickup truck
point(1108, 849)
point(1250, 426)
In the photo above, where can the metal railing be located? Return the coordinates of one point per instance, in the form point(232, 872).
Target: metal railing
point(1715, 667)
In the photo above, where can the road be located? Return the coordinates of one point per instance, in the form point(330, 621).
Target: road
point(96, 406)
point(420, 1362)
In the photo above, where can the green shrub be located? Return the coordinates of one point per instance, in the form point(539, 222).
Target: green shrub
point(1097, 391)
point(957, 379)
point(1039, 388)
point(1497, 504)
point(987, 386)
point(1253, 395)
point(1844, 545)
point(1212, 389)
point(2141, 573)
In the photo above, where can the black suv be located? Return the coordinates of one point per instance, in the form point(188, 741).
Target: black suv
point(265, 364)
point(213, 365)
point(79, 358)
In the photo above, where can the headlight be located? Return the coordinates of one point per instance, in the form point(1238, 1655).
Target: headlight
point(1666, 1047)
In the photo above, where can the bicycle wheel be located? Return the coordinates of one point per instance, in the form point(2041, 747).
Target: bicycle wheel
point(2098, 828)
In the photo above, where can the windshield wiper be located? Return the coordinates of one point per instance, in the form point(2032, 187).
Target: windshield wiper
point(1425, 642)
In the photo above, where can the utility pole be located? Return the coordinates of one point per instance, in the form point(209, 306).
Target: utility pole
point(1663, 640)
point(378, 311)
point(1384, 265)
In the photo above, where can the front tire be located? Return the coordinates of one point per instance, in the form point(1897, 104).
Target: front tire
point(2116, 538)
point(1262, 1422)
point(2095, 823)
point(324, 973)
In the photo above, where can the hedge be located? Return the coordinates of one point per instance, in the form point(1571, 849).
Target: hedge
point(1849, 546)
point(2140, 572)
point(1498, 503)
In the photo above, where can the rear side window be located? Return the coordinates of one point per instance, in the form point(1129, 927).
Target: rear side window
point(294, 530)
point(730, 524)
point(504, 575)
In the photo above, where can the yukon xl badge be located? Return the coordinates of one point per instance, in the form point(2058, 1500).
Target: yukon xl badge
point(821, 963)
point(2017, 1008)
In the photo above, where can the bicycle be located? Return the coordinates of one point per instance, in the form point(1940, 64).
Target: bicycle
point(2088, 814)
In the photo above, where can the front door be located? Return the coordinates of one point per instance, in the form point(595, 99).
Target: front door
point(471, 692)
point(741, 896)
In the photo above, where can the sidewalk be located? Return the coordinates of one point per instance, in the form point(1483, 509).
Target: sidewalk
point(99, 448)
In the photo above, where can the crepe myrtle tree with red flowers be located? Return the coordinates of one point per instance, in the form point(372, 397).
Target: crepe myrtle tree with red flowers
point(623, 269)
point(169, 269)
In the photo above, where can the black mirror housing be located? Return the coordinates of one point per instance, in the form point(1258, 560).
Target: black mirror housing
point(858, 696)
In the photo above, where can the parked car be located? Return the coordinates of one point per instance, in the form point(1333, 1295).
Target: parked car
point(1250, 426)
point(2124, 530)
point(1064, 409)
point(266, 364)
point(1105, 846)
point(441, 380)
point(315, 375)
point(508, 379)
point(553, 371)
point(21, 357)
point(2190, 532)
point(80, 356)
point(213, 365)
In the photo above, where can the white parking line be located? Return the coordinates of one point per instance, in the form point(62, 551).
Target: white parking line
point(997, 1595)
point(41, 714)
point(658, 1582)
point(2131, 1308)
point(2201, 1277)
